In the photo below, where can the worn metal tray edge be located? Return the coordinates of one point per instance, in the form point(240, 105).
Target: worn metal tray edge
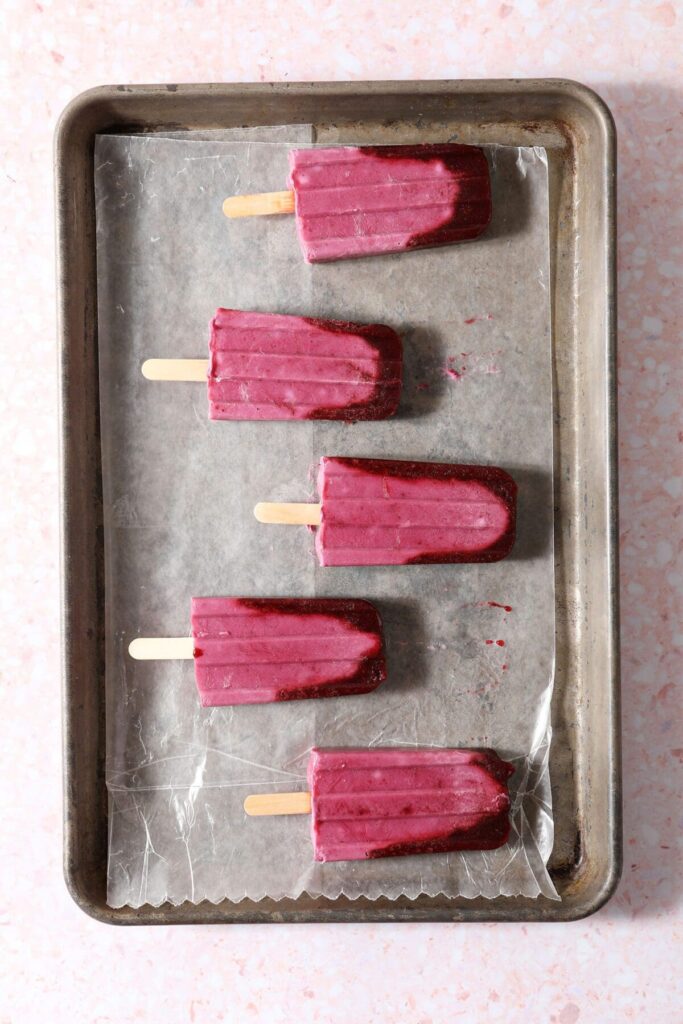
point(583, 889)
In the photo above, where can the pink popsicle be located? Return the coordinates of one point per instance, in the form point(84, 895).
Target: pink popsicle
point(259, 650)
point(392, 802)
point(362, 201)
point(384, 512)
point(265, 366)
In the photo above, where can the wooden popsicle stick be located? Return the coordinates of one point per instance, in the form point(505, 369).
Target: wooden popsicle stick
point(288, 513)
point(175, 369)
point(161, 648)
point(259, 205)
point(277, 803)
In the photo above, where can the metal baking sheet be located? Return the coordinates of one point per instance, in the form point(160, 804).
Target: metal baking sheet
point(576, 130)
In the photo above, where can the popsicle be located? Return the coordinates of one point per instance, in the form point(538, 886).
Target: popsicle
point(260, 650)
point(355, 201)
point(394, 801)
point(386, 512)
point(268, 366)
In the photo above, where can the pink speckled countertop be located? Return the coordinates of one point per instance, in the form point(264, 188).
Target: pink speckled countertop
point(622, 964)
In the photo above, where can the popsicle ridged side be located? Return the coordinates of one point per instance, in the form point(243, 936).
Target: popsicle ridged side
point(389, 512)
point(360, 201)
point(386, 802)
point(269, 366)
point(259, 650)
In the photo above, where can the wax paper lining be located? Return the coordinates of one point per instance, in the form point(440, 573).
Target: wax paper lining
point(470, 647)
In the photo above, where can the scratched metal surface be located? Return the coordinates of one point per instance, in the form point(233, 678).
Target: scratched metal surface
point(577, 131)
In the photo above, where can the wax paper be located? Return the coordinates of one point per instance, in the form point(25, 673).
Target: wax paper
point(470, 647)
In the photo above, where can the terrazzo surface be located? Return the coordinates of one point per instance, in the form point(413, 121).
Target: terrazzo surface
point(623, 963)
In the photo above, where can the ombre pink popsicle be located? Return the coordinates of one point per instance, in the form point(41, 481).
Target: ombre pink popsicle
point(265, 366)
point(393, 802)
point(355, 201)
point(387, 512)
point(259, 650)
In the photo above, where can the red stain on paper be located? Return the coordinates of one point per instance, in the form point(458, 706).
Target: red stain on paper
point(450, 371)
point(471, 362)
point(478, 319)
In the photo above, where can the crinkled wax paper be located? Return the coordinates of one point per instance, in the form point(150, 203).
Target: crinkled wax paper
point(470, 647)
